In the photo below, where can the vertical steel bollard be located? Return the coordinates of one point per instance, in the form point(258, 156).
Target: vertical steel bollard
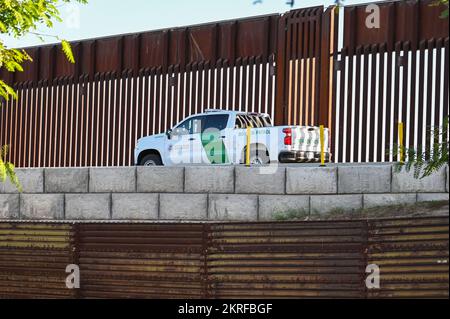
point(247, 153)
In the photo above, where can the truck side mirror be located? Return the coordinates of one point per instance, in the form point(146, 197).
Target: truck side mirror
point(169, 133)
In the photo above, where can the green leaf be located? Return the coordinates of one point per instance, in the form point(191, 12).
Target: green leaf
point(67, 49)
point(7, 169)
point(3, 27)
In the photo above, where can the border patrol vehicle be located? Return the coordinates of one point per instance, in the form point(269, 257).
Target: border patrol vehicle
point(221, 137)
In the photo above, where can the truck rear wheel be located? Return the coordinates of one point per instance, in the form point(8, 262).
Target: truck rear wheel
point(151, 160)
point(259, 157)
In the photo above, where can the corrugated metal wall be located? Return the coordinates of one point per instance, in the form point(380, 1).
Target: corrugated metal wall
point(33, 260)
point(227, 260)
point(412, 255)
point(287, 260)
point(142, 261)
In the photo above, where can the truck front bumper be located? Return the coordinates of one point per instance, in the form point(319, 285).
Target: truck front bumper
point(301, 157)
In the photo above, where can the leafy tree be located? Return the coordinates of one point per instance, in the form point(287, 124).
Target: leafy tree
point(442, 3)
point(19, 18)
point(425, 163)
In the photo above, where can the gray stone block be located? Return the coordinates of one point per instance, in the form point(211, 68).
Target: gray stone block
point(183, 206)
point(209, 179)
point(447, 173)
point(9, 206)
point(88, 206)
point(377, 200)
point(135, 206)
point(311, 180)
point(66, 180)
point(233, 207)
point(42, 206)
point(260, 180)
point(269, 205)
point(115, 180)
point(432, 197)
point(160, 179)
point(326, 203)
point(31, 180)
point(404, 182)
point(364, 179)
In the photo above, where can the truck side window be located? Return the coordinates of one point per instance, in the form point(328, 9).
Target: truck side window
point(250, 122)
point(266, 121)
point(239, 122)
point(258, 122)
point(245, 121)
point(216, 122)
point(190, 126)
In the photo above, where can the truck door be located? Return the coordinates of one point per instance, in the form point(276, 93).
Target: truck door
point(214, 137)
point(184, 146)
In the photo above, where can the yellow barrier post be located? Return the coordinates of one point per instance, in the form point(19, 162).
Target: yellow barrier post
point(247, 153)
point(322, 145)
point(400, 141)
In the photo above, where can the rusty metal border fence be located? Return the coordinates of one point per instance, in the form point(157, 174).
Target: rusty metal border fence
point(324, 259)
point(126, 87)
point(290, 66)
point(396, 73)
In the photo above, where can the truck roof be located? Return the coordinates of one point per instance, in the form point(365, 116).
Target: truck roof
point(209, 111)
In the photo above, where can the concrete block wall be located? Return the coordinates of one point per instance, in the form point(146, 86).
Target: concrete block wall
point(210, 193)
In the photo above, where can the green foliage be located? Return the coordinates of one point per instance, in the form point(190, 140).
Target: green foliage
point(67, 51)
point(21, 17)
point(293, 214)
point(444, 3)
point(7, 169)
point(424, 163)
point(18, 18)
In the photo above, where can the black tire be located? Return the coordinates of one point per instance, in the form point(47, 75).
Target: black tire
point(259, 156)
point(151, 160)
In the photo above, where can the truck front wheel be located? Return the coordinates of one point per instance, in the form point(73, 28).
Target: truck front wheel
point(151, 160)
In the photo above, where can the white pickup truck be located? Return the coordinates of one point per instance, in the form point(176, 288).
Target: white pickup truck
point(220, 137)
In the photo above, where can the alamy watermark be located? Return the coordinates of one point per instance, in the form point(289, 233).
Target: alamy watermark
point(73, 279)
point(373, 279)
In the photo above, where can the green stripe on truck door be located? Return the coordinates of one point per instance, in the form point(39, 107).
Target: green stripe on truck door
point(214, 147)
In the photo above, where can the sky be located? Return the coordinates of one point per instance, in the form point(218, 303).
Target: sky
point(101, 18)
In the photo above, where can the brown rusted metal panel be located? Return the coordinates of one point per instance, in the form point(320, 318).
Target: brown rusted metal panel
point(324, 259)
point(88, 57)
point(30, 69)
point(63, 67)
point(33, 260)
point(201, 44)
point(402, 20)
point(432, 26)
point(131, 51)
point(412, 256)
point(152, 49)
point(250, 37)
point(141, 261)
point(47, 62)
point(108, 54)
